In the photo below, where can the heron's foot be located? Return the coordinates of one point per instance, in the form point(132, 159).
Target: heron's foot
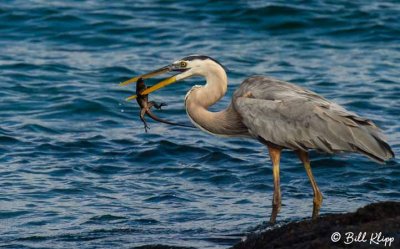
point(317, 203)
point(315, 212)
point(159, 105)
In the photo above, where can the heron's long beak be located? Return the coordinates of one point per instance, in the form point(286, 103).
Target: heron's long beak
point(184, 74)
point(157, 86)
point(154, 73)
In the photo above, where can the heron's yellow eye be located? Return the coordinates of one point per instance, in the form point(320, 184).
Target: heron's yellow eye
point(183, 64)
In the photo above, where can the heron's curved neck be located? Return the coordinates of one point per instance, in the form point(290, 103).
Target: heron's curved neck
point(226, 122)
point(214, 89)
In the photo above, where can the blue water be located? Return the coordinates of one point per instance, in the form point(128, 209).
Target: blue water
point(77, 169)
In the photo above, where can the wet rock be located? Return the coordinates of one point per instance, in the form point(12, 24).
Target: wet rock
point(373, 226)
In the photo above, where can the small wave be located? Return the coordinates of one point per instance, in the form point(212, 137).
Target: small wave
point(83, 236)
point(62, 19)
point(105, 169)
point(277, 10)
point(219, 157)
point(106, 218)
point(166, 198)
point(225, 179)
point(8, 140)
point(147, 221)
point(12, 214)
point(34, 127)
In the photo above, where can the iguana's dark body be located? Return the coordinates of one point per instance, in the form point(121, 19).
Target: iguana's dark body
point(146, 105)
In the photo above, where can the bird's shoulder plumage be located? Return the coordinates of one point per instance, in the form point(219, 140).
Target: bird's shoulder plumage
point(296, 118)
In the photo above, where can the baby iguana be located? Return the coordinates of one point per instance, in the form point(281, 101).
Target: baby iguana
point(146, 105)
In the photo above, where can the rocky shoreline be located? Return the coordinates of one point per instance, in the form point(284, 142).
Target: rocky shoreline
point(376, 225)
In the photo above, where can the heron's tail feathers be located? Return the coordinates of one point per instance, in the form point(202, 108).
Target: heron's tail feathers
point(370, 142)
point(350, 132)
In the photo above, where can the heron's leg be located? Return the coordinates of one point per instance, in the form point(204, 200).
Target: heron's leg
point(275, 154)
point(303, 155)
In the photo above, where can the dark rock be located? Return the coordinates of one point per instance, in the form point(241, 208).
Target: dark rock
point(161, 247)
point(372, 219)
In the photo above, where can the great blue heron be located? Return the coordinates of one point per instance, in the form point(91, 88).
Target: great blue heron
point(279, 114)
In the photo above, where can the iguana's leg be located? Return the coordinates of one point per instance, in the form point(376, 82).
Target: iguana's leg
point(142, 113)
point(156, 105)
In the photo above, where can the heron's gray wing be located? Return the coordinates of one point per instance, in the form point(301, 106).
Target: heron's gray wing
point(296, 118)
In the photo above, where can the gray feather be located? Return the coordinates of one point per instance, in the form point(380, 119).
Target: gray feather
point(299, 119)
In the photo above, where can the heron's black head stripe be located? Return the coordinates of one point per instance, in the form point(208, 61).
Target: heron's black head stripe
point(202, 57)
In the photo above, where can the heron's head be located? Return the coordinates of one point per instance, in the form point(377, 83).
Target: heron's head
point(194, 65)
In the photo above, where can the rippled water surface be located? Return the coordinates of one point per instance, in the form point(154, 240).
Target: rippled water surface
point(77, 169)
